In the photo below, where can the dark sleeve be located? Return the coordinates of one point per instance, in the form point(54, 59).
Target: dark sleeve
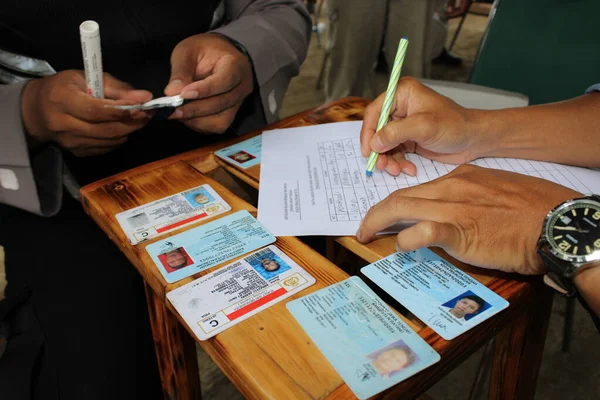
point(32, 182)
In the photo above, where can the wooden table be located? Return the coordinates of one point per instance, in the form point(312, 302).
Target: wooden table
point(272, 344)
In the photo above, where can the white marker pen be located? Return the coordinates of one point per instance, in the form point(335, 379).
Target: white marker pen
point(89, 31)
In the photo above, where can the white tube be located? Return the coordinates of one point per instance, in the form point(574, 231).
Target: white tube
point(89, 31)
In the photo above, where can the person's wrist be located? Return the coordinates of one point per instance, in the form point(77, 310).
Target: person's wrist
point(476, 128)
point(30, 115)
point(586, 274)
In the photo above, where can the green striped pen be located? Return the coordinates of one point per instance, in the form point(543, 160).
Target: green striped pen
point(389, 99)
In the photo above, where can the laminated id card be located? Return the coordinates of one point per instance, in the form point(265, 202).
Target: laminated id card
point(245, 154)
point(208, 245)
point(439, 294)
point(221, 299)
point(173, 212)
point(363, 339)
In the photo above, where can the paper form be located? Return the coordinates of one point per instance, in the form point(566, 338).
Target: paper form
point(313, 179)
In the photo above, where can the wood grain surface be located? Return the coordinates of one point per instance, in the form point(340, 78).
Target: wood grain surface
point(269, 356)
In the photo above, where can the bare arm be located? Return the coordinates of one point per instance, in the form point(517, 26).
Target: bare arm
point(567, 132)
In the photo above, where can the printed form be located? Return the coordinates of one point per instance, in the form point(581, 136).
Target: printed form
point(313, 179)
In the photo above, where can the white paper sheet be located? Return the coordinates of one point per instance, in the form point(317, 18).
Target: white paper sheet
point(313, 182)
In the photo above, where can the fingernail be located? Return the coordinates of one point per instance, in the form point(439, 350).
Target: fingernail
point(177, 114)
point(397, 247)
point(359, 234)
point(174, 83)
point(192, 94)
point(406, 171)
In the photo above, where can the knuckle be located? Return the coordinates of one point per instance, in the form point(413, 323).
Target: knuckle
point(430, 231)
point(54, 123)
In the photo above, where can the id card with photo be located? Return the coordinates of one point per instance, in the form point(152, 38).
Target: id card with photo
point(245, 154)
point(364, 340)
point(439, 294)
point(208, 245)
point(221, 299)
point(173, 212)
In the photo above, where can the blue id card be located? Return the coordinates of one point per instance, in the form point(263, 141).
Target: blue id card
point(208, 245)
point(439, 294)
point(245, 154)
point(365, 341)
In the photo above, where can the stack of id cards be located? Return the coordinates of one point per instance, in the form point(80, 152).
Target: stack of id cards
point(231, 294)
point(245, 154)
point(208, 245)
point(173, 212)
point(439, 294)
point(365, 341)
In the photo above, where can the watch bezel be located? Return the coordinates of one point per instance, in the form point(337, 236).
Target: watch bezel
point(579, 260)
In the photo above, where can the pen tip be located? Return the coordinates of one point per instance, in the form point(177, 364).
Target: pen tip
point(369, 173)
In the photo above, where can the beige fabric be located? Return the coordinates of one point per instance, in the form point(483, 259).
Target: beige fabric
point(355, 34)
point(2, 273)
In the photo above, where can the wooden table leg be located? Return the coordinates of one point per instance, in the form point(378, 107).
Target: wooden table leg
point(175, 351)
point(518, 350)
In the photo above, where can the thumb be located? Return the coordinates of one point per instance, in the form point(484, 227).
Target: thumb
point(395, 133)
point(183, 67)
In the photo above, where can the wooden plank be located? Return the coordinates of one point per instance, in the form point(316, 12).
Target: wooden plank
point(519, 348)
point(147, 184)
point(175, 352)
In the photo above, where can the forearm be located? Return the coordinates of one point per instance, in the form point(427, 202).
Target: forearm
point(588, 285)
point(567, 132)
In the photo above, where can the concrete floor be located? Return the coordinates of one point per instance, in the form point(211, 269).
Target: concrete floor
point(573, 375)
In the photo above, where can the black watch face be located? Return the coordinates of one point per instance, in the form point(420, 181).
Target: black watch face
point(574, 231)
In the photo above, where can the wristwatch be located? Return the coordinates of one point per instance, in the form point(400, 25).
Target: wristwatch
point(570, 241)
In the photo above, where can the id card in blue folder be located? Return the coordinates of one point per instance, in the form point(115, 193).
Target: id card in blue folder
point(365, 341)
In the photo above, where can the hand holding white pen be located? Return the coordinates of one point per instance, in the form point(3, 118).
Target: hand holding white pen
point(59, 109)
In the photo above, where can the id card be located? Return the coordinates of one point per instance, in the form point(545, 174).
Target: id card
point(365, 341)
point(221, 299)
point(173, 212)
point(245, 154)
point(439, 294)
point(208, 245)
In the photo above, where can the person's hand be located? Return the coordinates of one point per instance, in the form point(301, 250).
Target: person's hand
point(421, 121)
point(58, 109)
point(211, 70)
point(485, 217)
point(454, 10)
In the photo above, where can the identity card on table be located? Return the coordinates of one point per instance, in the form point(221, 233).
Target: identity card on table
point(208, 245)
point(221, 299)
point(245, 154)
point(165, 215)
point(365, 341)
point(439, 294)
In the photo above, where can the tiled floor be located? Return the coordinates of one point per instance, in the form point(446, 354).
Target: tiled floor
point(573, 375)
